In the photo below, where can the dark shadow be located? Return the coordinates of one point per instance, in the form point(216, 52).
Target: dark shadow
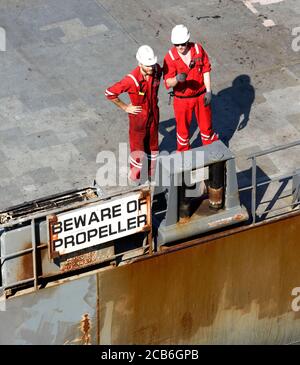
point(167, 129)
point(276, 197)
point(245, 179)
point(126, 244)
point(231, 108)
point(230, 112)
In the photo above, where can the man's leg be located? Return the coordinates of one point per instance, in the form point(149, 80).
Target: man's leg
point(152, 147)
point(204, 119)
point(137, 153)
point(183, 110)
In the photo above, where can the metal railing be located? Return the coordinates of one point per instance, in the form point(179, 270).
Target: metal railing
point(254, 185)
point(39, 215)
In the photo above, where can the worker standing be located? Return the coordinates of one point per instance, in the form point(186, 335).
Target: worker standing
point(187, 70)
point(142, 86)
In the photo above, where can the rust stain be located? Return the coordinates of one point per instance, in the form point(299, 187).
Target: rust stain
point(144, 193)
point(183, 220)
point(225, 221)
point(25, 268)
point(85, 327)
point(200, 293)
point(215, 197)
point(145, 228)
point(90, 194)
point(52, 219)
point(79, 261)
point(187, 324)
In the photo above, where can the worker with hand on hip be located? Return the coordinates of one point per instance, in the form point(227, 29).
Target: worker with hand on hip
point(187, 70)
point(142, 86)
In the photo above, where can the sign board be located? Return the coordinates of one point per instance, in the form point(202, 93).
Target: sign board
point(99, 223)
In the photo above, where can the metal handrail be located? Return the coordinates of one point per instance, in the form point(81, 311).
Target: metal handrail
point(34, 263)
point(21, 252)
point(284, 207)
point(135, 251)
point(274, 149)
point(254, 183)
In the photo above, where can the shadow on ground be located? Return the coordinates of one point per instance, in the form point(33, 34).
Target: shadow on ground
point(230, 109)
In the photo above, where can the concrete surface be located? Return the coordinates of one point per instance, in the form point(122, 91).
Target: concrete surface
point(61, 56)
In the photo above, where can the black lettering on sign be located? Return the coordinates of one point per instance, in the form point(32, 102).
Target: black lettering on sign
point(80, 221)
point(105, 213)
point(83, 239)
point(93, 218)
point(92, 233)
point(131, 223)
point(57, 243)
point(116, 210)
point(103, 232)
point(56, 228)
point(68, 224)
point(69, 240)
point(111, 232)
point(142, 220)
point(120, 229)
point(132, 206)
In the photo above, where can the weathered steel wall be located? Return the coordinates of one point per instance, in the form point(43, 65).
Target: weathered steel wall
point(62, 314)
point(232, 289)
point(235, 289)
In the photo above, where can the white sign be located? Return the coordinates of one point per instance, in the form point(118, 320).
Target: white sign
point(96, 224)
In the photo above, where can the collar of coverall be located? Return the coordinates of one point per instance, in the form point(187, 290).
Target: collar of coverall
point(176, 54)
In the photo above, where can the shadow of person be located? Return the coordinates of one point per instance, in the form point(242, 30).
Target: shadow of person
point(167, 129)
point(231, 108)
point(245, 180)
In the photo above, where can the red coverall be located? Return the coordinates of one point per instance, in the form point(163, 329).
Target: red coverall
point(143, 127)
point(189, 95)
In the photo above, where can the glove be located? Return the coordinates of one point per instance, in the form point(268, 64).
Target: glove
point(181, 77)
point(207, 98)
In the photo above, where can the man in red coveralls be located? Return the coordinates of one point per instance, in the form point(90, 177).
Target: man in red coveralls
point(142, 86)
point(187, 70)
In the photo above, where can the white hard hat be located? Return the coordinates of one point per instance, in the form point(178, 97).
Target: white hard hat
point(180, 34)
point(145, 56)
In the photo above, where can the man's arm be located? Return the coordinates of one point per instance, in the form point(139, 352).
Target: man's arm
point(208, 94)
point(112, 93)
point(171, 77)
point(171, 82)
point(207, 83)
point(128, 108)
